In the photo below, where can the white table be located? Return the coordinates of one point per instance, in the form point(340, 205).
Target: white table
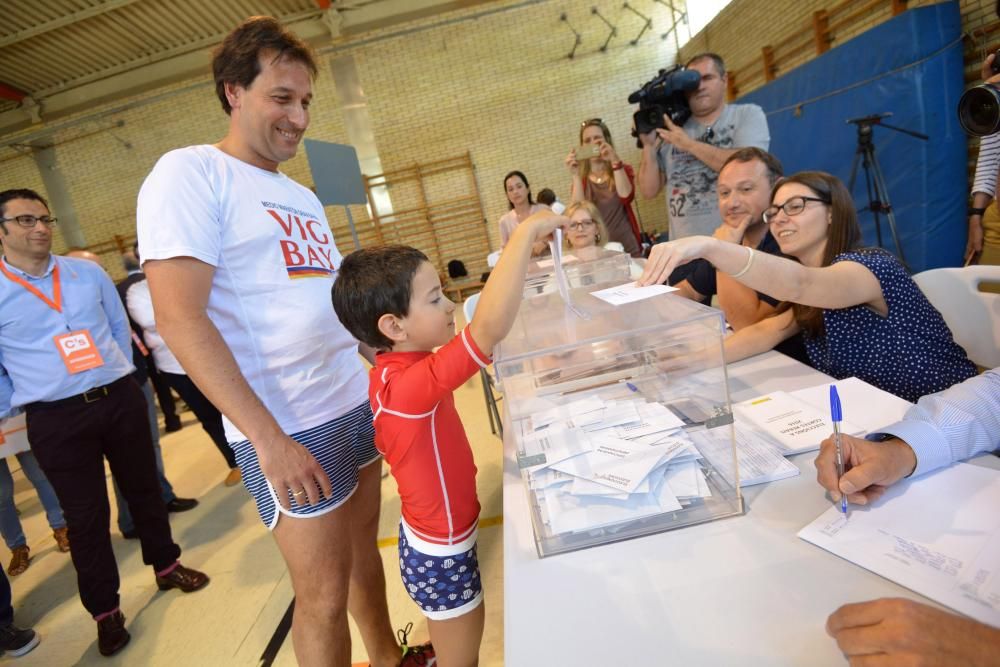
point(739, 591)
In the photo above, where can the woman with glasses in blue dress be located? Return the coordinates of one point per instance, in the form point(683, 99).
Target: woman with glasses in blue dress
point(604, 179)
point(859, 311)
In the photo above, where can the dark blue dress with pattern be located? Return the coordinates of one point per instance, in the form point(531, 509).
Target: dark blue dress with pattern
point(909, 353)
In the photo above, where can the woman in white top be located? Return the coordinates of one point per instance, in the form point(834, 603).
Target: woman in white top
point(521, 206)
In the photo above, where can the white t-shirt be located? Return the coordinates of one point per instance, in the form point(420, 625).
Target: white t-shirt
point(139, 304)
point(275, 263)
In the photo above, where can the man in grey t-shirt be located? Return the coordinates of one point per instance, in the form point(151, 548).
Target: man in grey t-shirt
point(687, 160)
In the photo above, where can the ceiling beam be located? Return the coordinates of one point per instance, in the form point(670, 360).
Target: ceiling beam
point(66, 19)
point(116, 84)
point(359, 17)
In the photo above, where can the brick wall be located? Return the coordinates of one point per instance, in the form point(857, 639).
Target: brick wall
point(495, 83)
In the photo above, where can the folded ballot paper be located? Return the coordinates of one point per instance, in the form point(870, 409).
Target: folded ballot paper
point(593, 463)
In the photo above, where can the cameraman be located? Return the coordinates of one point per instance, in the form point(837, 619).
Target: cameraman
point(688, 159)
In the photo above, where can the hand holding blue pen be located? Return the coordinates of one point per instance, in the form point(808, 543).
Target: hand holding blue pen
point(837, 417)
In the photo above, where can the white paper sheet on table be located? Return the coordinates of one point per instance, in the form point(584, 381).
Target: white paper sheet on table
point(865, 405)
point(630, 292)
point(938, 535)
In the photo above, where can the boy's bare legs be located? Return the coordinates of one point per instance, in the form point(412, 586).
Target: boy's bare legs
point(456, 641)
point(366, 601)
point(318, 556)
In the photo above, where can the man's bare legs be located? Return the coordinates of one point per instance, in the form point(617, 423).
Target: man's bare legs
point(366, 601)
point(456, 641)
point(319, 563)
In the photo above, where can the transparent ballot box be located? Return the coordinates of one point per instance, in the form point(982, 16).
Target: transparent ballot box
point(583, 267)
point(619, 415)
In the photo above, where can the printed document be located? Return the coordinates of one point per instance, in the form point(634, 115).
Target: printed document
point(793, 425)
point(938, 535)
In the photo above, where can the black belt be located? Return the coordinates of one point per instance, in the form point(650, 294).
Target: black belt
point(89, 396)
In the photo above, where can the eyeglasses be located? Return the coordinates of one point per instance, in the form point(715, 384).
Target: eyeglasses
point(793, 206)
point(578, 225)
point(592, 121)
point(29, 221)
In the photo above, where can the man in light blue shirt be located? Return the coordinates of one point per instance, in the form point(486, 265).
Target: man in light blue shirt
point(65, 351)
point(939, 430)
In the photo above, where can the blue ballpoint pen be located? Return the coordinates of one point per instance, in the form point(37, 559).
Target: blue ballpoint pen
point(837, 417)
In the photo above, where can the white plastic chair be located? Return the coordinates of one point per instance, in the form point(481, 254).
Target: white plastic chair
point(972, 316)
point(496, 425)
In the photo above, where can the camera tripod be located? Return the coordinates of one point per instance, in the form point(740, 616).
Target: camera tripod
point(878, 193)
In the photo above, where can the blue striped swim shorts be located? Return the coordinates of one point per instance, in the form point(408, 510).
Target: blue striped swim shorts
point(342, 446)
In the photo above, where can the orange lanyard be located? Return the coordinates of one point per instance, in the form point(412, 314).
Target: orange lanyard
point(55, 303)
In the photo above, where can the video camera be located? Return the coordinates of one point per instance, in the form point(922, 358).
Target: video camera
point(664, 95)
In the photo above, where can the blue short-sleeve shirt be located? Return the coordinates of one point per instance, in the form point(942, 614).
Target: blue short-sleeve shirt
point(909, 353)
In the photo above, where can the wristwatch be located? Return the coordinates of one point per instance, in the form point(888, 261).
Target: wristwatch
point(976, 211)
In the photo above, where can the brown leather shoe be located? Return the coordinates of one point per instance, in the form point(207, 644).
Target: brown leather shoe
point(234, 477)
point(184, 578)
point(111, 634)
point(62, 538)
point(19, 560)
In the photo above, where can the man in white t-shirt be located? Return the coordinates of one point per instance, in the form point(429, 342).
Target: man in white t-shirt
point(240, 262)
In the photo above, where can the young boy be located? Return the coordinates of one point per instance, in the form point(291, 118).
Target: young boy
point(390, 298)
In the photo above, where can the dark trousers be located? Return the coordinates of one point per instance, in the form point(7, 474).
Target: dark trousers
point(207, 414)
point(6, 609)
point(163, 396)
point(70, 442)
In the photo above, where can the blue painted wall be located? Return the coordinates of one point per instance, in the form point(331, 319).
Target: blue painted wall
point(910, 66)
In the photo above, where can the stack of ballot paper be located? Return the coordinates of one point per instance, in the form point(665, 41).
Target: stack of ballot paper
point(602, 462)
point(791, 424)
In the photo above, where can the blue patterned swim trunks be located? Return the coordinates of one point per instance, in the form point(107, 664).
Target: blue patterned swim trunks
point(444, 583)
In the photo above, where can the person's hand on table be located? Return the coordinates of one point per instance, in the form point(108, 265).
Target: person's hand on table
point(891, 632)
point(870, 467)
